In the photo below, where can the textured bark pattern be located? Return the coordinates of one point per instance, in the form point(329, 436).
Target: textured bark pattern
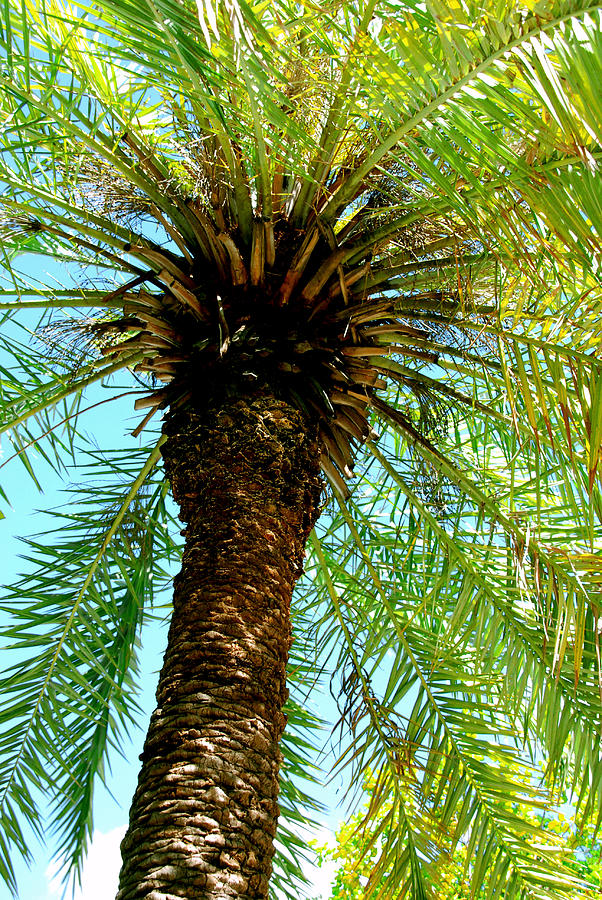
point(204, 814)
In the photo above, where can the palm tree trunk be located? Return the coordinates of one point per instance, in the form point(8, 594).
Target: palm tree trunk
point(204, 815)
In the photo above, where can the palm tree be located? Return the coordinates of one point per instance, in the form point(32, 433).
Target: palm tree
point(361, 238)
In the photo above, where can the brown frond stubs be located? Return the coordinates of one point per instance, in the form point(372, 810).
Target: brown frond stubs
point(279, 312)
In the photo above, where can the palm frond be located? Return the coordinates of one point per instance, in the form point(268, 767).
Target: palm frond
point(80, 611)
point(458, 748)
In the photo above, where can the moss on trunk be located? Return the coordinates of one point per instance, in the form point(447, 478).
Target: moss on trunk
point(203, 819)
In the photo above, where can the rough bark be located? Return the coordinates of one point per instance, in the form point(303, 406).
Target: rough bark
point(204, 815)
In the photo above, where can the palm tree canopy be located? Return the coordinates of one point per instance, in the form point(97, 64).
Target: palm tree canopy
point(390, 211)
